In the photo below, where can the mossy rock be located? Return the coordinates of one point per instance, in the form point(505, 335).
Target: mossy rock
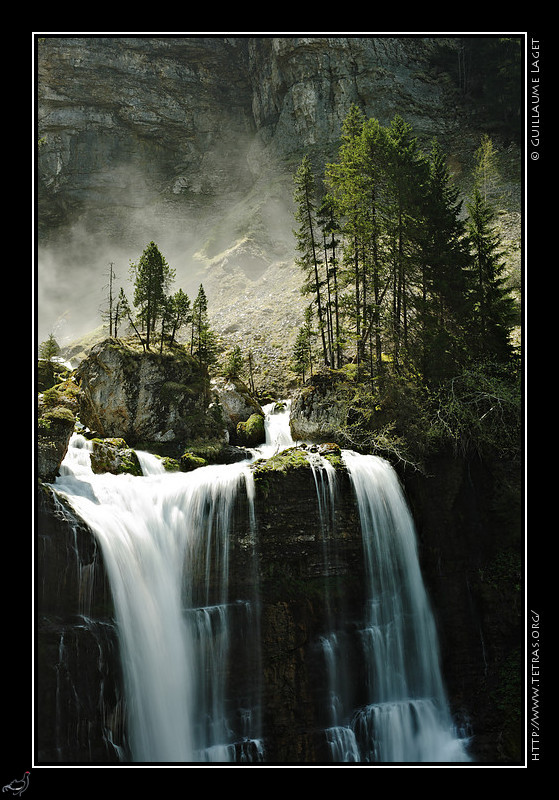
point(251, 433)
point(282, 463)
point(170, 464)
point(56, 419)
point(114, 456)
point(189, 462)
point(332, 452)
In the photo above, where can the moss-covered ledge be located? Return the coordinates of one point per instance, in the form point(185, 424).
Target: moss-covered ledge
point(113, 455)
point(291, 462)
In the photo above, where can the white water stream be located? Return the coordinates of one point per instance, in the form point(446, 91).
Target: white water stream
point(165, 535)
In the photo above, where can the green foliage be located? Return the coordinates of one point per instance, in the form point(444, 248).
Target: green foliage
point(409, 294)
point(204, 343)
point(302, 356)
point(156, 311)
point(234, 365)
point(480, 411)
point(152, 277)
point(49, 348)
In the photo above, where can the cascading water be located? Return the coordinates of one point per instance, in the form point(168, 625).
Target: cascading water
point(406, 718)
point(165, 541)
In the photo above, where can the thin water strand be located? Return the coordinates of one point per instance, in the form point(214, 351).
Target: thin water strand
point(407, 718)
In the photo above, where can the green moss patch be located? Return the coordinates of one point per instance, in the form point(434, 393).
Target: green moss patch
point(251, 433)
point(189, 462)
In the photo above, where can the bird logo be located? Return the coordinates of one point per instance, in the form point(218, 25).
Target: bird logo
point(17, 787)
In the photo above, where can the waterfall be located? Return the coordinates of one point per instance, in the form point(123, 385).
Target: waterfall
point(165, 542)
point(406, 718)
point(276, 427)
point(165, 539)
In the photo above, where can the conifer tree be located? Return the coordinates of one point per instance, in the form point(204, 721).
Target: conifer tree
point(307, 243)
point(152, 279)
point(329, 226)
point(235, 363)
point(493, 306)
point(347, 183)
point(405, 181)
point(302, 356)
point(442, 307)
point(49, 348)
point(204, 343)
point(180, 313)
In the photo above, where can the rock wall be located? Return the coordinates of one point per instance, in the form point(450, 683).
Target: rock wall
point(469, 521)
point(305, 583)
point(80, 711)
point(192, 142)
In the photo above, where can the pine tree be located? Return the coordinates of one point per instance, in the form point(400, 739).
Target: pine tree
point(347, 183)
point(329, 226)
point(307, 243)
point(49, 349)
point(204, 344)
point(235, 363)
point(442, 307)
point(199, 320)
point(493, 307)
point(152, 279)
point(181, 313)
point(406, 178)
point(302, 356)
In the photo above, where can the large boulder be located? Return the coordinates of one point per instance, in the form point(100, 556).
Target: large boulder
point(57, 408)
point(235, 402)
point(318, 411)
point(54, 429)
point(144, 396)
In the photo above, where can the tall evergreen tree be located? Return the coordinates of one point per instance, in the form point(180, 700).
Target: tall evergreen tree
point(152, 279)
point(181, 313)
point(307, 243)
point(442, 307)
point(349, 184)
point(203, 344)
point(493, 306)
point(329, 226)
point(406, 178)
point(302, 356)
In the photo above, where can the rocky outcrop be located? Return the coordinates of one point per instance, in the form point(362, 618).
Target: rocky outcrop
point(80, 708)
point(319, 410)
point(57, 408)
point(114, 456)
point(192, 142)
point(144, 396)
point(235, 402)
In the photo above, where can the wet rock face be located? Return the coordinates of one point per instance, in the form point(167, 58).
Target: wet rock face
point(142, 396)
point(319, 411)
point(125, 118)
point(80, 705)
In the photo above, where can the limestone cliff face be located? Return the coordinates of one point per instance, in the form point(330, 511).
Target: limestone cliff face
point(305, 582)
point(127, 119)
point(192, 142)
